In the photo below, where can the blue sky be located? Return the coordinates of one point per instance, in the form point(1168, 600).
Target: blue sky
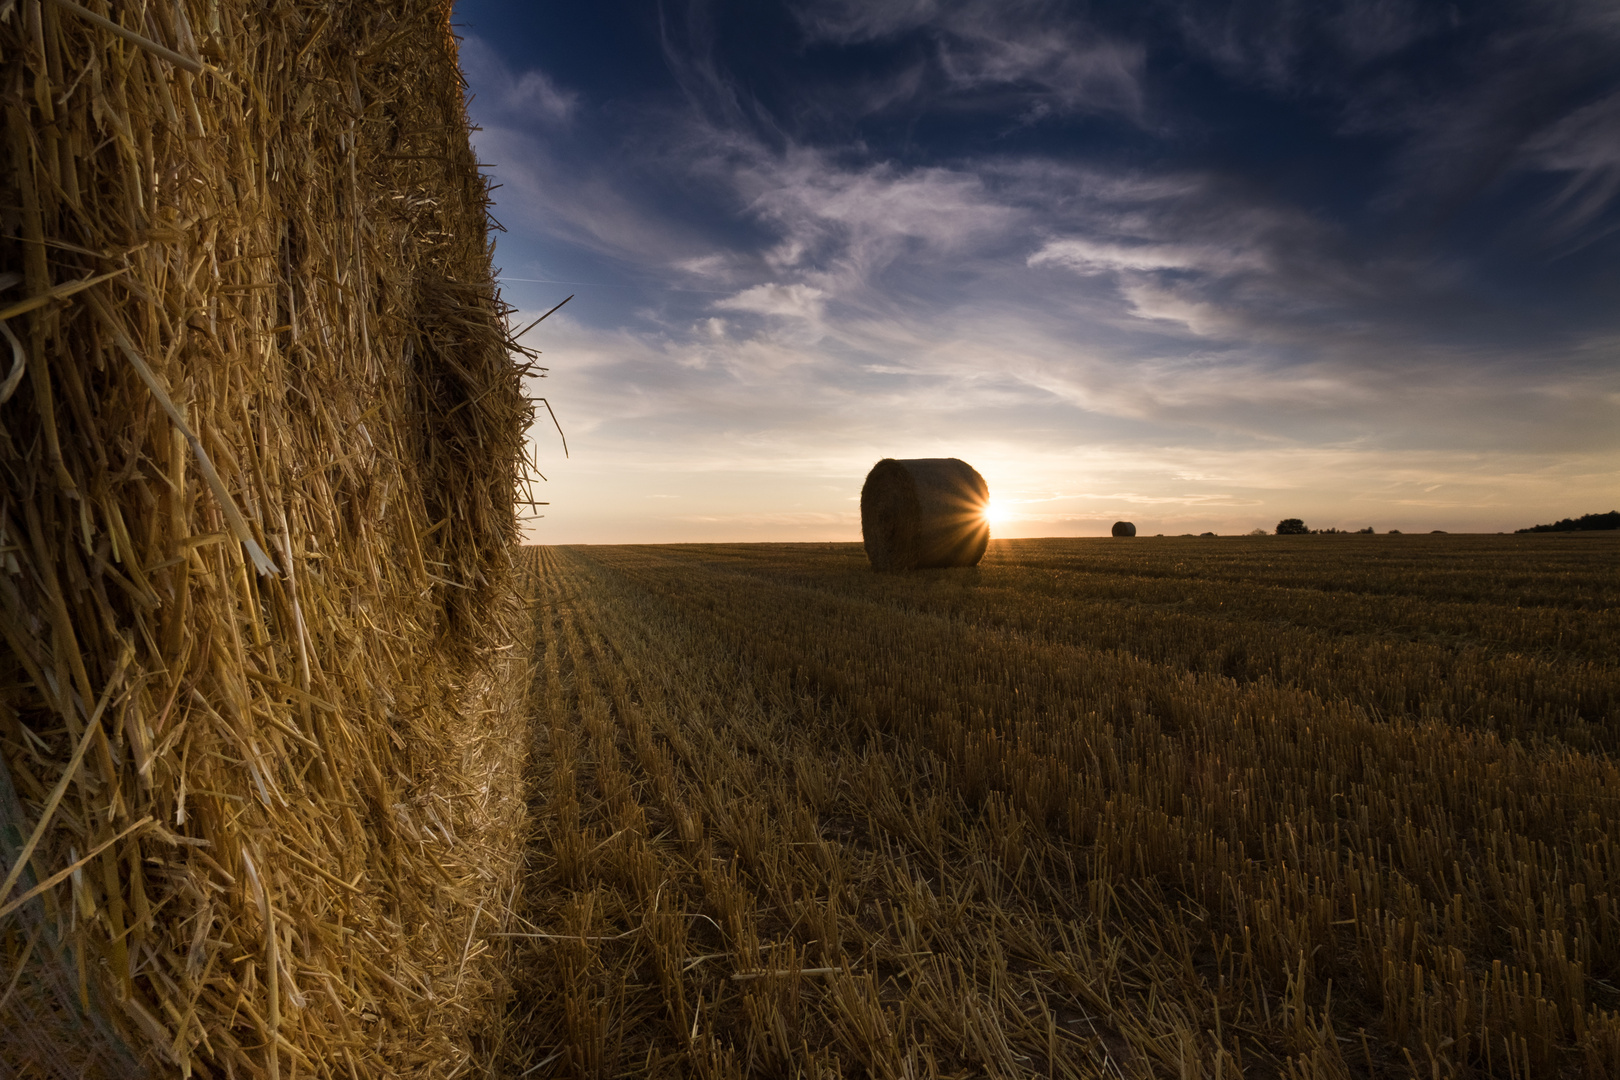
point(1195, 265)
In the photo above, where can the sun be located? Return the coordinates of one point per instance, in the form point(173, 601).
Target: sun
point(994, 513)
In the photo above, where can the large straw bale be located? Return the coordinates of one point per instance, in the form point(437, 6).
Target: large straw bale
point(258, 813)
point(924, 512)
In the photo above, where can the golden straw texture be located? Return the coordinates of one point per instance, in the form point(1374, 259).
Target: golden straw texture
point(260, 432)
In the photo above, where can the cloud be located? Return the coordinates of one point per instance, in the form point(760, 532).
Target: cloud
point(841, 229)
point(532, 95)
point(786, 301)
point(550, 189)
point(1585, 146)
point(1318, 46)
point(1059, 63)
point(1065, 70)
point(1098, 257)
point(849, 21)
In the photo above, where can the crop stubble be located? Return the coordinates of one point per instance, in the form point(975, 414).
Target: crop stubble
point(1315, 807)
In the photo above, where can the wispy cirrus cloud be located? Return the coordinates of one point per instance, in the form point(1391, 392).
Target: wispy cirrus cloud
point(785, 301)
point(1054, 61)
point(530, 94)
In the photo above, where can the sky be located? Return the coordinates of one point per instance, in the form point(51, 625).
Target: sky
point(1194, 264)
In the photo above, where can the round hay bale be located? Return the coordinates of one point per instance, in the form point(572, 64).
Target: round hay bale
point(1124, 528)
point(924, 512)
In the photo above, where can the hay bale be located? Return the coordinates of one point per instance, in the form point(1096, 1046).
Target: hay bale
point(924, 512)
point(257, 815)
point(1124, 528)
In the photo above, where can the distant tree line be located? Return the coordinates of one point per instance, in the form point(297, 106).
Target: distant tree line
point(1296, 527)
point(1584, 523)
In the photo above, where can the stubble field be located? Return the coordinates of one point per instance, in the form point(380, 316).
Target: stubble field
point(1332, 806)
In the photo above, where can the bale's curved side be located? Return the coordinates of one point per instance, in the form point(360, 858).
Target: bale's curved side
point(922, 513)
point(256, 515)
point(1124, 528)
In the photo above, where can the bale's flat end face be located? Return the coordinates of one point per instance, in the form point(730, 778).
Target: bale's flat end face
point(889, 516)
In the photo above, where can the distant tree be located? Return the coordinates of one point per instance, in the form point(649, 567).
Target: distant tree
point(1257, 532)
point(1584, 523)
point(1394, 532)
point(1368, 531)
point(1291, 527)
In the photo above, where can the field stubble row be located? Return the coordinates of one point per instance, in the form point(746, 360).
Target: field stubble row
point(1034, 819)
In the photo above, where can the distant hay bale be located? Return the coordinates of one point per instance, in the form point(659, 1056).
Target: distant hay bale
point(924, 512)
point(1124, 528)
point(259, 815)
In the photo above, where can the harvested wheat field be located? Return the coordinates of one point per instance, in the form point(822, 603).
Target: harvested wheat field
point(1326, 807)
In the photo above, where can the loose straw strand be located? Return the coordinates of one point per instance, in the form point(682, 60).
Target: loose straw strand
point(233, 516)
point(179, 60)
